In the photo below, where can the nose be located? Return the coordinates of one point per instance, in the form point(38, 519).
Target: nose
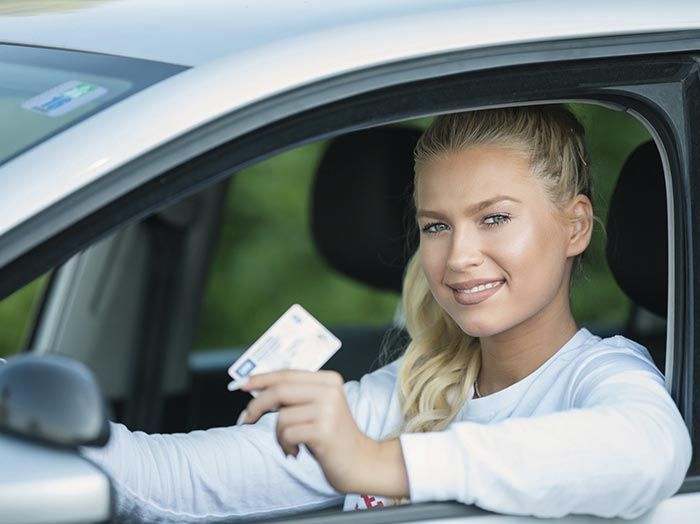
point(465, 253)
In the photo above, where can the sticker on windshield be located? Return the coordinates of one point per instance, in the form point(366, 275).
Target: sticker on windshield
point(64, 98)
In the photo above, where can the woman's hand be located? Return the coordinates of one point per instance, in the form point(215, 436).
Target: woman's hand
point(312, 410)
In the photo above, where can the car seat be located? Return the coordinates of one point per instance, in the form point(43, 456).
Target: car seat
point(636, 249)
point(362, 225)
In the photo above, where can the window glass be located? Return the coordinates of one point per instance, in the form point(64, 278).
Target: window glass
point(43, 91)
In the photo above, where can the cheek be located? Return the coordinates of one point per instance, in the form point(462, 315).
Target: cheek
point(432, 262)
point(534, 251)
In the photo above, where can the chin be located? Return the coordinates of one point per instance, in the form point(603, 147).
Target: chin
point(480, 328)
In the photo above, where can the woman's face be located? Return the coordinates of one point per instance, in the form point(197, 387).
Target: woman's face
point(493, 247)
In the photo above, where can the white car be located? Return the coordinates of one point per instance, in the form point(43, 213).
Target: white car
point(122, 122)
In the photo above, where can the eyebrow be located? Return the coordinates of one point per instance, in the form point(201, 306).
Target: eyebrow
point(470, 210)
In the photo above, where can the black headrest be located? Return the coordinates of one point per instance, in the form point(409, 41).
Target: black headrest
point(637, 231)
point(362, 214)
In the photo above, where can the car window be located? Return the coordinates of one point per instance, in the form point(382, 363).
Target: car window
point(266, 259)
point(147, 309)
point(43, 91)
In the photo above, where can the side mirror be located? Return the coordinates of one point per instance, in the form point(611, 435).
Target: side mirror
point(52, 399)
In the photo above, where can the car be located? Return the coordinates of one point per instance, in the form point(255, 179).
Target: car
point(174, 176)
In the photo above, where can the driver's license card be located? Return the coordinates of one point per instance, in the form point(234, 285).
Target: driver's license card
point(295, 341)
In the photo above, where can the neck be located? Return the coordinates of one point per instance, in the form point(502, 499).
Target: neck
point(510, 356)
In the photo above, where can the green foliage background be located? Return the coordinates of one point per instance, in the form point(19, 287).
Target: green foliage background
point(266, 259)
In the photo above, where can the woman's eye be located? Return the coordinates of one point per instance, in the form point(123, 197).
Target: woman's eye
point(435, 227)
point(496, 219)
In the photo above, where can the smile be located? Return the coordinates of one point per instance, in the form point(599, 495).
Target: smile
point(481, 287)
point(476, 294)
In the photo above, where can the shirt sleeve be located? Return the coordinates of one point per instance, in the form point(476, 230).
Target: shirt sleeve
point(224, 473)
point(205, 476)
point(621, 450)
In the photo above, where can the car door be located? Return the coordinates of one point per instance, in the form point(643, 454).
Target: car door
point(653, 78)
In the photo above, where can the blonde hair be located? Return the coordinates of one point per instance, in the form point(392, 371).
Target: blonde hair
point(441, 363)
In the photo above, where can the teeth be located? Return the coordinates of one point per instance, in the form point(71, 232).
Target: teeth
point(481, 287)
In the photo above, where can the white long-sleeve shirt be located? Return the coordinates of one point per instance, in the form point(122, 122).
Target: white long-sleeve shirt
point(592, 430)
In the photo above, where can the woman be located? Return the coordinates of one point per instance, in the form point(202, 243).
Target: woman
point(500, 400)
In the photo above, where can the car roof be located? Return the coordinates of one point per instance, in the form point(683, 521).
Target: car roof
point(195, 32)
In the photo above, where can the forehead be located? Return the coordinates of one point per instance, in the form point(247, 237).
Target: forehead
point(476, 173)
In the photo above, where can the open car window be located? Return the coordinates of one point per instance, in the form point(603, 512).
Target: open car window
point(267, 258)
point(213, 272)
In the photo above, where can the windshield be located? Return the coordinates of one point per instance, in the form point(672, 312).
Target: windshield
point(44, 91)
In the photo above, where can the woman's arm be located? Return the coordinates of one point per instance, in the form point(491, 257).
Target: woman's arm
point(209, 475)
point(227, 472)
point(620, 452)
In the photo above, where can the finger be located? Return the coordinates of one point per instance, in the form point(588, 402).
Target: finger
point(287, 417)
point(290, 450)
point(301, 414)
point(287, 448)
point(235, 385)
point(298, 434)
point(265, 380)
point(286, 394)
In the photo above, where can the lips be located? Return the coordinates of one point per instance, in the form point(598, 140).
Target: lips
point(475, 291)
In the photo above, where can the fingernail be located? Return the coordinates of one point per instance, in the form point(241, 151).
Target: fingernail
point(241, 418)
point(237, 384)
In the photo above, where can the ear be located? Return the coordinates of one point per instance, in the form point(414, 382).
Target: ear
point(580, 214)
